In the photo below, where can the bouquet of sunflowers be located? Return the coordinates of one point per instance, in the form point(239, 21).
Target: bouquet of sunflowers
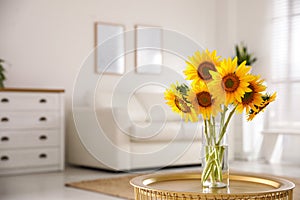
point(219, 88)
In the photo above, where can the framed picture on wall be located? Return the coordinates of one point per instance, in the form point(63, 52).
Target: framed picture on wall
point(148, 56)
point(110, 48)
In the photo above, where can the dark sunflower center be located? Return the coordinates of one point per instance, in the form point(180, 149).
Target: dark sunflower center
point(203, 70)
point(248, 96)
point(231, 82)
point(181, 105)
point(204, 99)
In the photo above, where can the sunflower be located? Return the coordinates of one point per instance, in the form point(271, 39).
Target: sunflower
point(175, 97)
point(203, 101)
point(252, 99)
point(267, 99)
point(231, 81)
point(199, 65)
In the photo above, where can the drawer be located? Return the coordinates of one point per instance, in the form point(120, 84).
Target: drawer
point(19, 139)
point(29, 158)
point(29, 101)
point(29, 120)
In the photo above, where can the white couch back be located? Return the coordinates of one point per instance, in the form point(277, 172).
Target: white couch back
point(141, 106)
point(151, 102)
point(148, 118)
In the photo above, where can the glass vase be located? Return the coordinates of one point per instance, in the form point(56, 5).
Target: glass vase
point(215, 173)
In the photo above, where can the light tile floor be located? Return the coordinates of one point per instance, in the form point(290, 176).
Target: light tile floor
point(51, 185)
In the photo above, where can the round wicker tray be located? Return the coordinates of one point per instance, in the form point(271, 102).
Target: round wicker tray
point(185, 186)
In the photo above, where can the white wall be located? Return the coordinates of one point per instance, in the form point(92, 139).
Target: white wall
point(45, 42)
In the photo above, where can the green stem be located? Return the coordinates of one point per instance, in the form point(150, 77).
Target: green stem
point(214, 152)
point(220, 156)
point(205, 131)
point(213, 167)
point(223, 131)
point(223, 114)
point(214, 130)
point(208, 169)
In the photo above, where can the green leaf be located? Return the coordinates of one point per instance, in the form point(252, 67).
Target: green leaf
point(2, 77)
point(243, 55)
point(237, 51)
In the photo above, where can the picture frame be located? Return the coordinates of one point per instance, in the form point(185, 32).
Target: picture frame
point(148, 49)
point(109, 48)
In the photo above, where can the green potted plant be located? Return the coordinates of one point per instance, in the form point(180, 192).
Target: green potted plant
point(2, 75)
point(242, 54)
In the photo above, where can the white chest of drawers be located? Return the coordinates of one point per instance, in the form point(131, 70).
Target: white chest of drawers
point(31, 130)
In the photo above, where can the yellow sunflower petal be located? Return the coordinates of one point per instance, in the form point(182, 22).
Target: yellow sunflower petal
point(199, 66)
point(242, 69)
point(175, 99)
point(203, 101)
point(252, 99)
point(233, 79)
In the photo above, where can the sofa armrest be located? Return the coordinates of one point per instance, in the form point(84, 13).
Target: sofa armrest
point(102, 138)
point(115, 126)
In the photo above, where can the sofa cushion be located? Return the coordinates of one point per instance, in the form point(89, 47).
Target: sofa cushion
point(165, 132)
point(136, 111)
point(155, 131)
point(103, 100)
point(151, 99)
point(126, 102)
point(192, 130)
point(141, 106)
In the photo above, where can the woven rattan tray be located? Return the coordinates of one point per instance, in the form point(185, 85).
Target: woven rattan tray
point(185, 186)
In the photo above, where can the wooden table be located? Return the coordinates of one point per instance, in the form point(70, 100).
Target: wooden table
point(185, 186)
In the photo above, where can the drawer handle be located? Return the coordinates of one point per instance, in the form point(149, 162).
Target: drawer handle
point(43, 119)
point(43, 137)
point(43, 156)
point(4, 119)
point(4, 139)
point(4, 100)
point(43, 100)
point(4, 158)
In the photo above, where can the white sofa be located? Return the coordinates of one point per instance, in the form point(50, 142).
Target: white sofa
point(127, 132)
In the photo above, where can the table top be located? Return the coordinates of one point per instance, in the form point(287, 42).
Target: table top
point(189, 184)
